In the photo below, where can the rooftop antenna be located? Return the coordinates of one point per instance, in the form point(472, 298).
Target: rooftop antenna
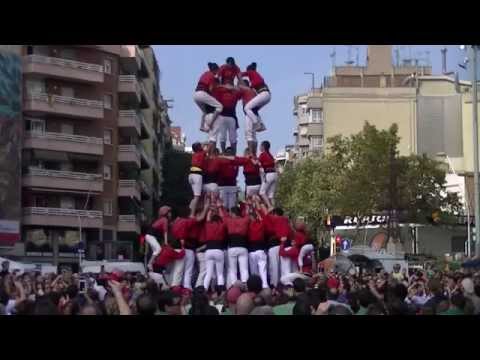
point(408, 61)
point(333, 56)
point(397, 56)
point(357, 51)
point(349, 61)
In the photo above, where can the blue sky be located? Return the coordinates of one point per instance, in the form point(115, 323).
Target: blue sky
point(282, 67)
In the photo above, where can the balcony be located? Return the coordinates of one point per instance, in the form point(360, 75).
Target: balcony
point(41, 103)
point(133, 60)
point(130, 122)
point(63, 69)
point(129, 188)
point(146, 190)
point(112, 49)
point(62, 217)
point(63, 180)
point(129, 154)
point(129, 90)
point(63, 142)
point(146, 160)
point(128, 223)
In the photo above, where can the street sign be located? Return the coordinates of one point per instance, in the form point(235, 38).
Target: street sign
point(345, 244)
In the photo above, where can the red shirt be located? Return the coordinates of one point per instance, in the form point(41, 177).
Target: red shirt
point(249, 168)
point(236, 225)
point(291, 253)
point(256, 231)
point(281, 226)
point(228, 73)
point(247, 95)
point(227, 97)
point(161, 225)
point(199, 159)
point(207, 80)
point(168, 255)
point(181, 226)
point(268, 224)
point(256, 80)
point(227, 176)
point(266, 160)
point(300, 238)
point(215, 231)
point(212, 168)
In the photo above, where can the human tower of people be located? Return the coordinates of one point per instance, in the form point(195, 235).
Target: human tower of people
point(218, 242)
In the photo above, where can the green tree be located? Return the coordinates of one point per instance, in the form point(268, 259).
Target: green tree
point(176, 190)
point(364, 174)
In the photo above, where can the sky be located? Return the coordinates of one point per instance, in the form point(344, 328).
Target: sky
point(283, 69)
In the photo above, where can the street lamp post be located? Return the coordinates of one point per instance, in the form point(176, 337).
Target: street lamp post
point(475, 147)
point(467, 206)
point(313, 79)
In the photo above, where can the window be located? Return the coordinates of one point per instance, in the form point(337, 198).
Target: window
point(107, 172)
point(37, 125)
point(107, 101)
point(68, 54)
point(67, 202)
point(107, 66)
point(67, 91)
point(316, 141)
point(107, 136)
point(107, 207)
point(316, 115)
point(35, 86)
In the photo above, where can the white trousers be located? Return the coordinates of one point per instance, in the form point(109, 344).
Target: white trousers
point(202, 269)
point(253, 190)
point(288, 279)
point(154, 245)
point(188, 271)
point(215, 129)
point(257, 102)
point(228, 194)
point(214, 262)
point(196, 183)
point(269, 185)
point(304, 251)
point(287, 265)
point(174, 272)
point(274, 265)
point(228, 127)
point(250, 132)
point(258, 265)
point(210, 188)
point(237, 258)
point(203, 98)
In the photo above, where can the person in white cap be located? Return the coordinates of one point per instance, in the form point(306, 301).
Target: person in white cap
point(468, 289)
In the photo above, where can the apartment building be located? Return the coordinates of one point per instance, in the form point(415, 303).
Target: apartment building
point(95, 127)
point(379, 93)
point(178, 138)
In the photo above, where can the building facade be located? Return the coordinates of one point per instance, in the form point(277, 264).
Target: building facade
point(94, 132)
point(433, 114)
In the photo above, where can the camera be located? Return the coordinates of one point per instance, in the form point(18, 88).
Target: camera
point(82, 286)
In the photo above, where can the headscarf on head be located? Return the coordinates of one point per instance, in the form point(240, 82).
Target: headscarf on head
point(164, 210)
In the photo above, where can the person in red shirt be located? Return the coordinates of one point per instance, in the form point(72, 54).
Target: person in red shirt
point(229, 71)
point(215, 240)
point(257, 246)
point(159, 229)
point(170, 261)
point(263, 94)
point(303, 242)
point(210, 175)
point(204, 99)
point(237, 232)
point(277, 229)
point(251, 171)
point(269, 183)
point(289, 255)
point(195, 178)
point(227, 123)
point(227, 180)
point(248, 94)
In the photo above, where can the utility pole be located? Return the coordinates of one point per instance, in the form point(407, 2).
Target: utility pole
point(313, 79)
point(475, 148)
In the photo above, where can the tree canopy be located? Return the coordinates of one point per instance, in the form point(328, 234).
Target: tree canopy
point(362, 175)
